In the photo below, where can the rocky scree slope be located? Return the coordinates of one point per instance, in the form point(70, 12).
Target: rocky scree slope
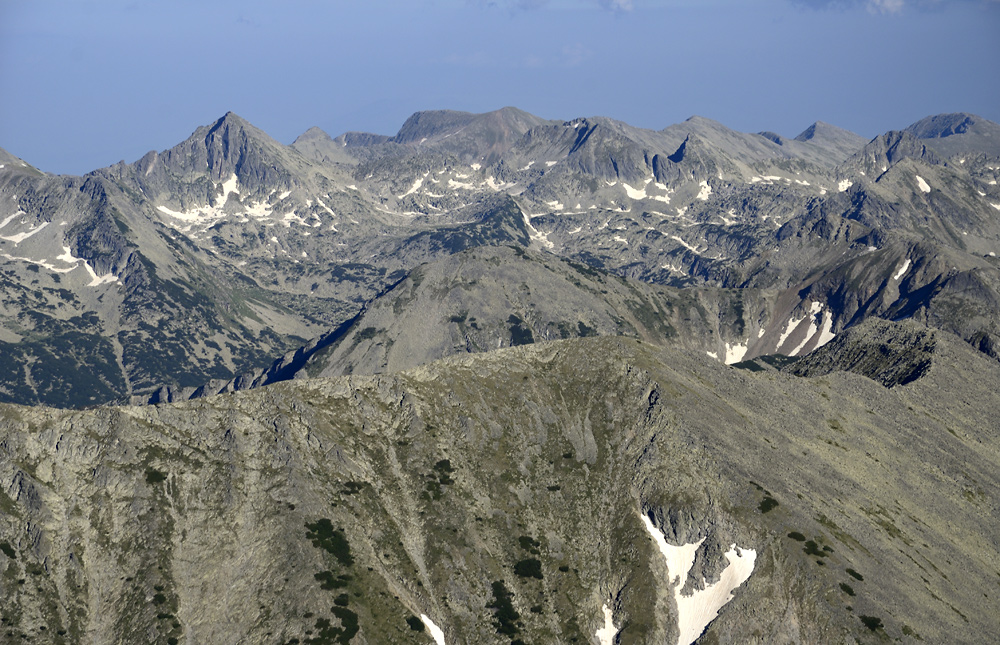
point(485, 298)
point(501, 497)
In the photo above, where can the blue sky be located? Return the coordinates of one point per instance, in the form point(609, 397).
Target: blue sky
point(89, 82)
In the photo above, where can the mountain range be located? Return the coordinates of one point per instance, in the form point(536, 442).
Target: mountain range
point(504, 379)
point(205, 262)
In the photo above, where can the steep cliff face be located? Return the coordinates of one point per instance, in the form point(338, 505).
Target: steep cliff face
point(529, 494)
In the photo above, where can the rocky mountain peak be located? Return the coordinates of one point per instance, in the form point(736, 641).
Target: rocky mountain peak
point(312, 134)
point(890, 148)
point(958, 133)
point(944, 125)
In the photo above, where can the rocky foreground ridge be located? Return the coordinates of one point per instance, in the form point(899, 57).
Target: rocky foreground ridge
point(516, 496)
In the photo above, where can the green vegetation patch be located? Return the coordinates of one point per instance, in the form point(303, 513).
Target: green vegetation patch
point(812, 548)
point(767, 504)
point(854, 574)
point(8, 550)
point(352, 488)
point(798, 537)
point(154, 476)
point(415, 624)
point(324, 537)
point(529, 568)
point(506, 619)
point(529, 544)
point(846, 588)
point(872, 622)
point(329, 634)
point(328, 580)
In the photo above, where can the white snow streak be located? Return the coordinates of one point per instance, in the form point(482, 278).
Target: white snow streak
point(414, 188)
point(902, 270)
point(814, 309)
point(606, 635)
point(96, 280)
point(684, 244)
point(696, 611)
point(792, 324)
point(7, 220)
point(20, 237)
point(455, 185)
point(844, 185)
point(922, 184)
point(825, 333)
point(435, 631)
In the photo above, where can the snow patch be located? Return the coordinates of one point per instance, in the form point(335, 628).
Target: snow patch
point(716, 357)
point(922, 184)
point(493, 184)
point(634, 193)
point(435, 631)
point(534, 234)
point(96, 280)
point(825, 333)
point(20, 237)
point(455, 185)
point(695, 612)
point(7, 220)
point(414, 188)
point(735, 353)
point(325, 207)
point(284, 194)
point(705, 191)
point(684, 244)
point(475, 166)
point(231, 185)
point(814, 309)
point(902, 270)
point(844, 185)
point(606, 635)
point(792, 324)
point(619, 238)
point(996, 206)
point(551, 163)
point(555, 205)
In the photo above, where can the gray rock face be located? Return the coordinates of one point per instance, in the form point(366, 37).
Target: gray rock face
point(500, 494)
